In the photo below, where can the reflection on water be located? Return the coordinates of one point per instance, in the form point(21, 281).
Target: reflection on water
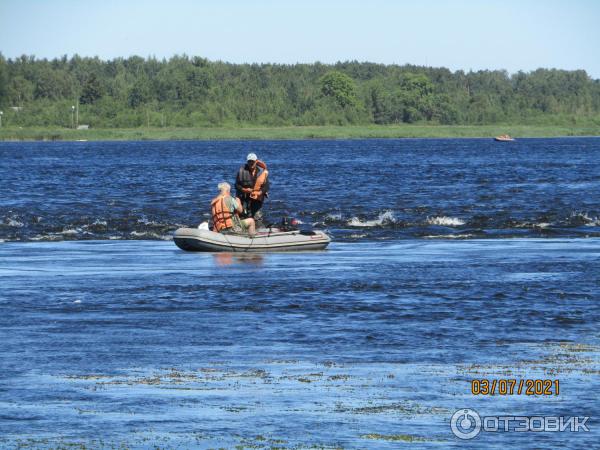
point(225, 259)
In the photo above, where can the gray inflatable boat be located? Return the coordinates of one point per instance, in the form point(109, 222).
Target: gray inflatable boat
point(266, 240)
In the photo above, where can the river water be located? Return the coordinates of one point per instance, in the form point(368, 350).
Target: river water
point(451, 261)
point(356, 189)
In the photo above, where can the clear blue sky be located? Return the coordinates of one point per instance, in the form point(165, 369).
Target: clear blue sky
point(461, 34)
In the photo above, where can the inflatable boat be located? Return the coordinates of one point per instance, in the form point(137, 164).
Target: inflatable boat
point(266, 240)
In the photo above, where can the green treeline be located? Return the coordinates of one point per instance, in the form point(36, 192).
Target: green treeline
point(194, 92)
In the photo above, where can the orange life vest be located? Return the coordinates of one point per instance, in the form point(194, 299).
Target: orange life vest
point(221, 215)
point(257, 193)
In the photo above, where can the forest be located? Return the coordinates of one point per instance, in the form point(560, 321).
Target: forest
point(185, 91)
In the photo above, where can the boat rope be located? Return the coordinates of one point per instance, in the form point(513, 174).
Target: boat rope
point(231, 245)
point(228, 242)
point(251, 241)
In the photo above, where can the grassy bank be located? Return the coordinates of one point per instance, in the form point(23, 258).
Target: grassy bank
point(310, 132)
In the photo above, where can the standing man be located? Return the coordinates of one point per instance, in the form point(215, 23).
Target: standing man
point(252, 186)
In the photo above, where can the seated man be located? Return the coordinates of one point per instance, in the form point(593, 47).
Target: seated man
point(226, 213)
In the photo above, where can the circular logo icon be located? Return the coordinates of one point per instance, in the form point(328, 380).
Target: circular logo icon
point(465, 423)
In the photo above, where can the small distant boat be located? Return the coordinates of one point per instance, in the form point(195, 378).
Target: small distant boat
point(504, 138)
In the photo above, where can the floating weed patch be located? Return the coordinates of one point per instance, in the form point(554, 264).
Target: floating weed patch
point(395, 437)
point(339, 377)
point(575, 347)
point(560, 358)
point(405, 408)
point(263, 442)
point(87, 377)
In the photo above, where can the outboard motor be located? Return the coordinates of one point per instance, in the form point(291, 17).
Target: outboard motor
point(288, 224)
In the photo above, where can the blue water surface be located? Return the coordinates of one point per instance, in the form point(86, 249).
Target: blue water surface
point(383, 189)
point(452, 261)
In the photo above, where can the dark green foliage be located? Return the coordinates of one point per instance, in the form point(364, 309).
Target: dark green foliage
point(340, 87)
point(195, 92)
point(3, 80)
point(140, 92)
point(92, 90)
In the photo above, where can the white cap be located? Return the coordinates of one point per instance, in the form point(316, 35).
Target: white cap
point(251, 157)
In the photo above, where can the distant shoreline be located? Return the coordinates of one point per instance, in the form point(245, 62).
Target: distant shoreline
point(299, 132)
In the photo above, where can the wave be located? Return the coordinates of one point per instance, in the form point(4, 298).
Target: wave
point(385, 218)
point(583, 219)
point(149, 235)
point(542, 225)
point(71, 232)
point(46, 237)
point(96, 226)
point(145, 221)
point(450, 236)
point(382, 224)
point(445, 221)
point(13, 222)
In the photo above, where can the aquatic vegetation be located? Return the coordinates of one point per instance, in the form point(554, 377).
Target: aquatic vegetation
point(395, 437)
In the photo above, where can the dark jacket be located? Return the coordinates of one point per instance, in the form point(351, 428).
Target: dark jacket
point(246, 179)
